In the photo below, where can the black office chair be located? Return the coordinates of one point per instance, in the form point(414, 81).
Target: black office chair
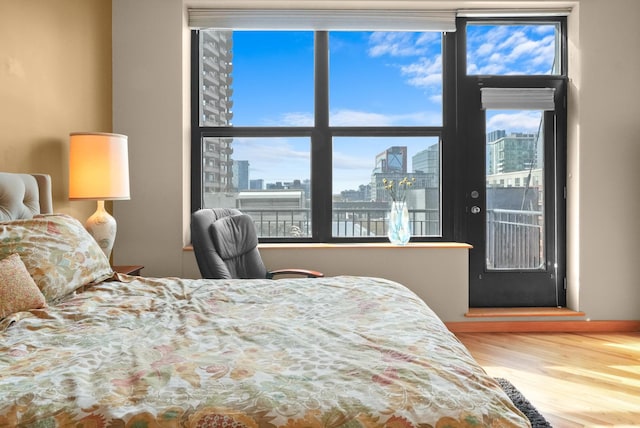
point(225, 243)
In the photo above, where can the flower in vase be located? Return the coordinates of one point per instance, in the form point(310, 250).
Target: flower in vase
point(398, 192)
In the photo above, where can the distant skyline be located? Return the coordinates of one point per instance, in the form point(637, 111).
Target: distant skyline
point(376, 79)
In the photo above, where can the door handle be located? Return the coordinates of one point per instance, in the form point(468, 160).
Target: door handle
point(475, 209)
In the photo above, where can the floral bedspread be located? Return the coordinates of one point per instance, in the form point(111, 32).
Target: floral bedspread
point(325, 352)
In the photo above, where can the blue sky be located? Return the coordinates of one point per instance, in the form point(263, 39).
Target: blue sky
point(376, 78)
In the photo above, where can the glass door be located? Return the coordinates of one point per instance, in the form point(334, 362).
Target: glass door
point(515, 199)
point(514, 194)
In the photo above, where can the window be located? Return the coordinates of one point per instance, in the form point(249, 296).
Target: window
point(299, 129)
point(388, 79)
point(513, 48)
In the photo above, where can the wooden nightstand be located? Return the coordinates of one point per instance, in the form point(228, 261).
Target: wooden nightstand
point(133, 270)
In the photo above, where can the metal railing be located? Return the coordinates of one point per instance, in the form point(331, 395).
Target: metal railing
point(346, 223)
point(515, 239)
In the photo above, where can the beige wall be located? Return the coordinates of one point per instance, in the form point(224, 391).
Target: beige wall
point(605, 152)
point(55, 78)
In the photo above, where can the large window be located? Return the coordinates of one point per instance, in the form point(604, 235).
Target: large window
point(301, 129)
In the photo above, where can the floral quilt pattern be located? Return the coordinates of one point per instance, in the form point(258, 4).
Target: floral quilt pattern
point(324, 352)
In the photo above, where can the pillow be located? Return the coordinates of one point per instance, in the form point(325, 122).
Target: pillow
point(18, 291)
point(58, 252)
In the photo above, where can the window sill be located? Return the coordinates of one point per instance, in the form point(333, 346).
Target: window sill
point(368, 245)
point(360, 245)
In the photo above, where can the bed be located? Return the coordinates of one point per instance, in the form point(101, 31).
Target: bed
point(97, 349)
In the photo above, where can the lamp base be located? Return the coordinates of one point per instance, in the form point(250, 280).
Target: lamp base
point(102, 226)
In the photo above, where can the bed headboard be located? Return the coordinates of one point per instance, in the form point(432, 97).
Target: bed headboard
point(24, 195)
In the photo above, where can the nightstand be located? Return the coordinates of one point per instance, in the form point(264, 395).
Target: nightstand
point(133, 270)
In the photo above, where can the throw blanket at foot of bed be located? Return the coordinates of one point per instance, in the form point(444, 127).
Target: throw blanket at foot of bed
point(330, 352)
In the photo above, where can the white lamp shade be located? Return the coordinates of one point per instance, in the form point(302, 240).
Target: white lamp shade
point(98, 166)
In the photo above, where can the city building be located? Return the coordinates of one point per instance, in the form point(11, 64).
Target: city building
point(390, 165)
point(515, 177)
point(427, 161)
point(362, 194)
point(215, 79)
point(392, 160)
point(240, 177)
point(256, 184)
point(509, 153)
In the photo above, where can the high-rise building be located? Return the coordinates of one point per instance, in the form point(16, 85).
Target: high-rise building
point(427, 162)
point(391, 165)
point(257, 184)
point(496, 135)
point(215, 109)
point(512, 152)
point(392, 160)
point(241, 175)
point(515, 173)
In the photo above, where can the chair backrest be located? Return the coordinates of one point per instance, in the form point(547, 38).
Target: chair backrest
point(225, 244)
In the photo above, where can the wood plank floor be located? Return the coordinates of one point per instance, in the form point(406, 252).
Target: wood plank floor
point(573, 379)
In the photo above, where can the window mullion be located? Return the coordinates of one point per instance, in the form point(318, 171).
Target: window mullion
point(321, 171)
point(196, 138)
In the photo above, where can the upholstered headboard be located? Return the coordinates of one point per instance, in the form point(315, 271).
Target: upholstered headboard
point(24, 195)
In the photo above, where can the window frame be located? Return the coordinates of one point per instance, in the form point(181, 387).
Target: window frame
point(453, 163)
point(321, 135)
point(461, 29)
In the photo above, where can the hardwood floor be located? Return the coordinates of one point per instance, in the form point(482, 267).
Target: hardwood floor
point(573, 379)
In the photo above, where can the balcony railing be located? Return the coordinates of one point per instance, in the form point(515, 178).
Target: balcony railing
point(346, 223)
point(515, 239)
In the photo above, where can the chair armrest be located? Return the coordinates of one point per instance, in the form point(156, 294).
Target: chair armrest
point(304, 272)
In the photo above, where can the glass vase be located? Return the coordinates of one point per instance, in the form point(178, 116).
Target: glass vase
point(398, 229)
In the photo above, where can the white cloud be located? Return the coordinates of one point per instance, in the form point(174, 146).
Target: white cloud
point(486, 49)
point(426, 72)
point(297, 119)
point(274, 159)
point(346, 161)
point(363, 118)
point(437, 100)
point(521, 121)
point(290, 119)
point(397, 44)
point(359, 118)
point(512, 50)
point(347, 117)
point(267, 148)
point(429, 38)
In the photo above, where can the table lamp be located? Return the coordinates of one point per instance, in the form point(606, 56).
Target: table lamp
point(99, 170)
